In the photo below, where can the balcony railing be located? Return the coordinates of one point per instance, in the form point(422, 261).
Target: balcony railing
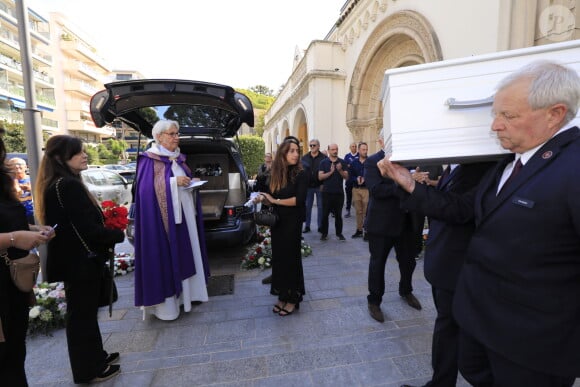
point(17, 91)
point(17, 117)
point(16, 65)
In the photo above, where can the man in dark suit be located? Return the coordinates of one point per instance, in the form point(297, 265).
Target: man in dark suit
point(387, 226)
point(444, 255)
point(517, 298)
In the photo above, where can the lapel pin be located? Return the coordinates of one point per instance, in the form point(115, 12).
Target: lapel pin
point(547, 154)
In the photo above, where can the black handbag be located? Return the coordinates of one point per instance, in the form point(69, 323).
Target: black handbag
point(108, 291)
point(267, 216)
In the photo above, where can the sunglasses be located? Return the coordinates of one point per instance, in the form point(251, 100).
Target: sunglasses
point(313, 145)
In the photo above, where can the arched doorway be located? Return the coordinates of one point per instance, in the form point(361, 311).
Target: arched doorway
point(301, 130)
point(403, 39)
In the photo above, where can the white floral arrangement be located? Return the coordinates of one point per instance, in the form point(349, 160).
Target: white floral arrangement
point(260, 255)
point(124, 264)
point(49, 312)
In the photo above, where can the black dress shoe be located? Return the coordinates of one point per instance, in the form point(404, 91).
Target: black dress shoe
point(112, 357)
point(376, 312)
point(306, 230)
point(357, 234)
point(341, 237)
point(412, 301)
point(109, 371)
point(267, 280)
point(324, 237)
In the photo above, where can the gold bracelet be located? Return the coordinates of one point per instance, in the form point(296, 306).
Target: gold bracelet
point(11, 239)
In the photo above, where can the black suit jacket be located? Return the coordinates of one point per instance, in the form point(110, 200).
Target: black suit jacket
point(447, 241)
point(519, 290)
point(384, 214)
point(67, 257)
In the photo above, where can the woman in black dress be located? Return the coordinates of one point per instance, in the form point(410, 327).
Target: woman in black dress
point(16, 238)
point(61, 197)
point(288, 186)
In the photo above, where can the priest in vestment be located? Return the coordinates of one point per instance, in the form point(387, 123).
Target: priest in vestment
point(171, 266)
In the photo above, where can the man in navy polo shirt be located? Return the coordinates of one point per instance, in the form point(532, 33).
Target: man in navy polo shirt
point(351, 181)
point(332, 172)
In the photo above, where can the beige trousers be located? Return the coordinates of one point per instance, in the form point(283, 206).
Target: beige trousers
point(360, 200)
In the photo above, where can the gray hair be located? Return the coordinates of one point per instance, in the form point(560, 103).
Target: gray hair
point(162, 126)
point(17, 160)
point(316, 141)
point(551, 83)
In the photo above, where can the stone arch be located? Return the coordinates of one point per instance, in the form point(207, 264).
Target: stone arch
point(404, 38)
point(281, 131)
point(301, 128)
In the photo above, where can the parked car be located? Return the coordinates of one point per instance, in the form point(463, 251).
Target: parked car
point(107, 185)
point(209, 115)
point(122, 170)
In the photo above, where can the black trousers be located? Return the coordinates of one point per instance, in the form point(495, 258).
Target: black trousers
point(445, 341)
point(14, 315)
point(332, 202)
point(379, 248)
point(85, 344)
point(483, 367)
point(348, 189)
point(418, 224)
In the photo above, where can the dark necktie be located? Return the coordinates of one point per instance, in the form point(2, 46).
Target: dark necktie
point(444, 177)
point(517, 168)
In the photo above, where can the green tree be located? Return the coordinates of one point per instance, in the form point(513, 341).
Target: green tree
point(259, 124)
point(92, 154)
point(14, 139)
point(117, 147)
point(261, 89)
point(252, 149)
point(259, 101)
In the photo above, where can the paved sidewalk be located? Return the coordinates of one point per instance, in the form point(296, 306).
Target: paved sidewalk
point(236, 340)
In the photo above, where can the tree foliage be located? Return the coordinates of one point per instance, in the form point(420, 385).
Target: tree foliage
point(259, 125)
point(261, 89)
point(262, 98)
point(252, 149)
point(109, 152)
point(259, 101)
point(15, 139)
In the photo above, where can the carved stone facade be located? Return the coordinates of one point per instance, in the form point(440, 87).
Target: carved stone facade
point(335, 91)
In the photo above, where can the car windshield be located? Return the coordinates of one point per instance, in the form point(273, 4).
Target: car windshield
point(189, 116)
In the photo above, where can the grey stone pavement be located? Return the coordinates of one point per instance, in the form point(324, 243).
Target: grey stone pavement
point(236, 340)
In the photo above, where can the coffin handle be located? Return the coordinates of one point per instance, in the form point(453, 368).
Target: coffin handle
point(452, 103)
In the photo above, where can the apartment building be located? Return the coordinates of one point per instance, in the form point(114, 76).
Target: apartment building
point(79, 73)
point(123, 131)
point(12, 99)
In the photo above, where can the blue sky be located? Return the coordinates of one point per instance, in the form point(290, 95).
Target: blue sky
point(240, 43)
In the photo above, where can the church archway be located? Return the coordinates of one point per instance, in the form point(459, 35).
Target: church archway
point(403, 39)
point(301, 130)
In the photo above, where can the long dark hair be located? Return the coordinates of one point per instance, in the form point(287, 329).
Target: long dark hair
point(59, 149)
point(281, 171)
point(7, 191)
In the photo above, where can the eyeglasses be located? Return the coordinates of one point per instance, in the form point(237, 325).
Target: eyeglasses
point(313, 145)
point(174, 134)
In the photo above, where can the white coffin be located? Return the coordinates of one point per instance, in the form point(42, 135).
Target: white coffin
point(441, 112)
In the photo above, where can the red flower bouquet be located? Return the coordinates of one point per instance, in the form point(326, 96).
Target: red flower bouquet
point(115, 215)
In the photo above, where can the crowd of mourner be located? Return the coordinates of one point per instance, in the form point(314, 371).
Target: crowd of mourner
point(502, 253)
